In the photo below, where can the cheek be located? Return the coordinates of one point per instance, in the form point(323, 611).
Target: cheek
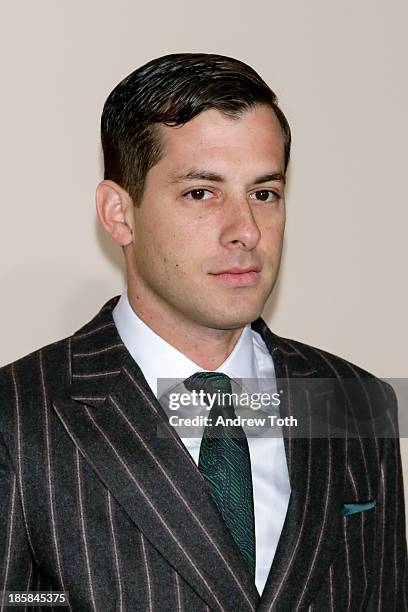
point(164, 254)
point(272, 236)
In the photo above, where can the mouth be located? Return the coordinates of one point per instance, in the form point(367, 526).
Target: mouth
point(238, 278)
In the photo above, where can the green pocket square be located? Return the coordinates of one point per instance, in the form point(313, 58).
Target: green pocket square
point(354, 508)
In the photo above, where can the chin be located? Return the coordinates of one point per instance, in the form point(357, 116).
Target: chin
point(233, 320)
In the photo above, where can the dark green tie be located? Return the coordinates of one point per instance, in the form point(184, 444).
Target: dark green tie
point(226, 464)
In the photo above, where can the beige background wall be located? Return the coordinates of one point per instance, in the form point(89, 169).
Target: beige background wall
point(339, 69)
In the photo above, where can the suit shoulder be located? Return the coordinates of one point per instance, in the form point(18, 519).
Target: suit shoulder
point(46, 365)
point(58, 352)
point(326, 363)
point(368, 392)
point(51, 348)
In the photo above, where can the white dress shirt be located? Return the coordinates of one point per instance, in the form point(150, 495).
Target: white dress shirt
point(249, 359)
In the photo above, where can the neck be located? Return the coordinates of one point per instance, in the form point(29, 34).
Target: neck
point(207, 347)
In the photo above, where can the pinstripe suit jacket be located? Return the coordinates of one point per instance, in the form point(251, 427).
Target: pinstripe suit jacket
point(93, 502)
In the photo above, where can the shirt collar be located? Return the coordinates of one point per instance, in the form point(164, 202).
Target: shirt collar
point(159, 359)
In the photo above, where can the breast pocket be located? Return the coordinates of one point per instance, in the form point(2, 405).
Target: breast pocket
point(350, 579)
point(358, 523)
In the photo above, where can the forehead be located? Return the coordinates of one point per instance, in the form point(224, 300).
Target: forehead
point(213, 138)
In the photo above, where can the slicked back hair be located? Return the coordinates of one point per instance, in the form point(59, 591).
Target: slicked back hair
point(171, 90)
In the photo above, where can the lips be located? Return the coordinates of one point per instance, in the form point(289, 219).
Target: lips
point(238, 270)
point(238, 277)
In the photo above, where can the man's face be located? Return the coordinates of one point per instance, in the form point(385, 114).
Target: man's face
point(214, 202)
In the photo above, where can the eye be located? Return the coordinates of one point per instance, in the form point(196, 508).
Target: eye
point(198, 194)
point(265, 195)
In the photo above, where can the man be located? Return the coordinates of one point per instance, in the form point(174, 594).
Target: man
point(95, 499)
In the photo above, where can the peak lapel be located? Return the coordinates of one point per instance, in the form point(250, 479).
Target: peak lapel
point(122, 431)
point(316, 468)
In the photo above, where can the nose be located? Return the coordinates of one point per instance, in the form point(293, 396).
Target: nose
point(241, 229)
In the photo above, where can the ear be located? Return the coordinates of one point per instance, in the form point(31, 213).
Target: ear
point(115, 211)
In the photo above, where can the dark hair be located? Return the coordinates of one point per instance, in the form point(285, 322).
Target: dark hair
point(172, 90)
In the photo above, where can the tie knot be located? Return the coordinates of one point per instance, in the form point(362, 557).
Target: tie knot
point(208, 381)
point(218, 395)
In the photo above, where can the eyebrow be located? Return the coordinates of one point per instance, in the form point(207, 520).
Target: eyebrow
point(205, 175)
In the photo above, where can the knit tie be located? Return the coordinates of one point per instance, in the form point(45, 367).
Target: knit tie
point(225, 463)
